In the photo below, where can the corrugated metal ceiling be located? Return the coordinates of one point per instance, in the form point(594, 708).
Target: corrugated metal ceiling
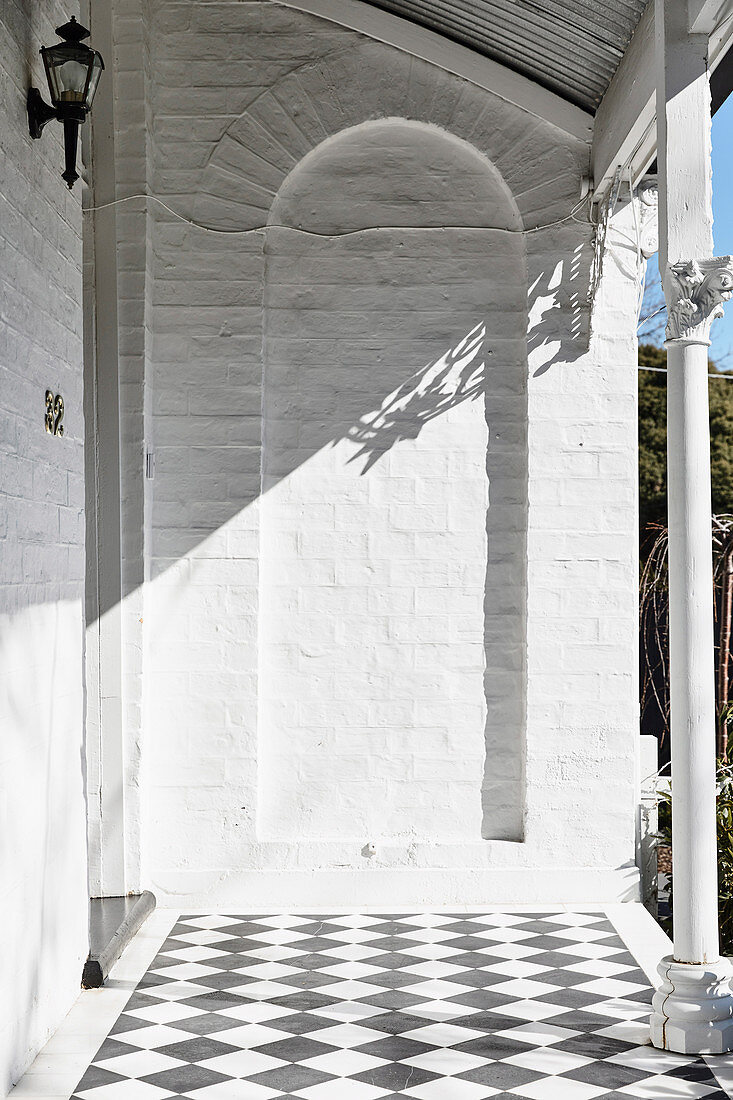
point(572, 47)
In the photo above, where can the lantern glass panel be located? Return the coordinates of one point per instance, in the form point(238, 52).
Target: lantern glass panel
point(67, 69)
point(94, 75)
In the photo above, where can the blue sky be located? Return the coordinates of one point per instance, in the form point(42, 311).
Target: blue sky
point(721, 335)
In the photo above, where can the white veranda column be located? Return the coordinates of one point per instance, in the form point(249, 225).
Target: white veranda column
point(693, 1007)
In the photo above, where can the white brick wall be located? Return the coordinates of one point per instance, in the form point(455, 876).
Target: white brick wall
point(582, 701)
point(246, 799)
point(42, 830)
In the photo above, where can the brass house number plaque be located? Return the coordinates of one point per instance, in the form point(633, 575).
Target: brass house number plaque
point(54, 413)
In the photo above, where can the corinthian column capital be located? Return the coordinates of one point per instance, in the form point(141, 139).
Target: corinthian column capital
point(695, 291)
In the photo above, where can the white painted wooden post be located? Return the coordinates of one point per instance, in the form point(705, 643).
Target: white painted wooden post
point(693, 1007)
point(105, 733)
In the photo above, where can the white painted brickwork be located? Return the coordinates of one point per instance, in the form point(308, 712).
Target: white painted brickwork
point(42, 830)
point(317, 632)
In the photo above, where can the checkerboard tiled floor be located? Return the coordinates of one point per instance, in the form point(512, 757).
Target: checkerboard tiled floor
point(432, 1006)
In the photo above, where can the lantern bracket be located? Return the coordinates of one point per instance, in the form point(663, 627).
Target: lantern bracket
point(39, 112)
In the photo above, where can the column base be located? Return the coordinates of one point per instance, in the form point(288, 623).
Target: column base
point(692, 1010)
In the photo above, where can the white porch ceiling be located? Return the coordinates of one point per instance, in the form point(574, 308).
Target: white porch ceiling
point(572, 47)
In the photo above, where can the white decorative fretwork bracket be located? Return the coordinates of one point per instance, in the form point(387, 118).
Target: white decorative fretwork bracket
point(695, 291)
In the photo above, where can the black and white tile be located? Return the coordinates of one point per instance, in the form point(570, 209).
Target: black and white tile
point(530, 1006)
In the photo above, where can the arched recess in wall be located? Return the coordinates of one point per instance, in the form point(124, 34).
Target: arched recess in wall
point(393, 514)
point(369, 81)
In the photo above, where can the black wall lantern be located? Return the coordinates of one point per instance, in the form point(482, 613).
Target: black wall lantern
point(73, 71)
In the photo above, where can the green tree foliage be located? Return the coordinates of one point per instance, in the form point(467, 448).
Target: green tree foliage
point(653, 439)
